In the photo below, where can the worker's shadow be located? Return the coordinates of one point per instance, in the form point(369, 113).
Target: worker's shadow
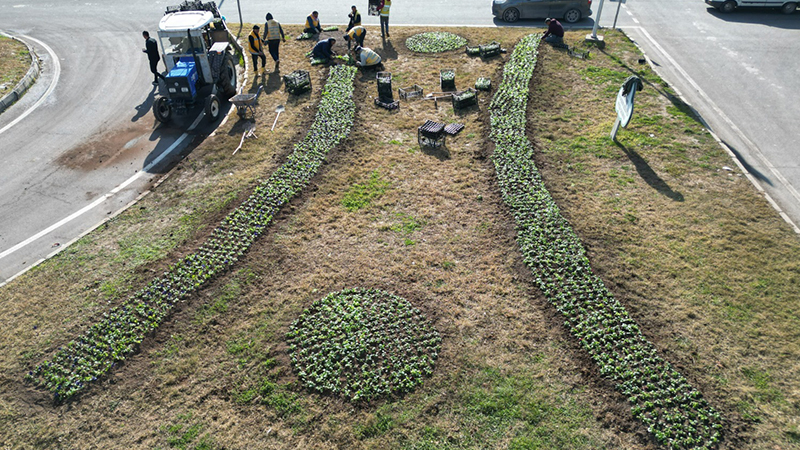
point(649, 175)
point(387, 50)
point(143, 108)
point(273, 82)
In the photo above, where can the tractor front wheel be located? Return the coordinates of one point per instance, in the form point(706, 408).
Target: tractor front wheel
point(212, 107)
point(162, 110)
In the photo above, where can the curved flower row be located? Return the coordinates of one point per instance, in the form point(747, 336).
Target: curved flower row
point(123, 328)
point(363, 344)
point(673, 411)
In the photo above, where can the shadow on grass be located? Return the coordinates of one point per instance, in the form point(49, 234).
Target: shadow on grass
point(649, 175)
point(750, 169)
point(387, 50)
point(440, 153)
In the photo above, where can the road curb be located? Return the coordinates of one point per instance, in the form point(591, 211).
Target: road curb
point(760, 189)
point(26, 82)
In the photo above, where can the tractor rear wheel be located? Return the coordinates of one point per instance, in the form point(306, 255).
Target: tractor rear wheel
point(162, 110)
point(227, 77)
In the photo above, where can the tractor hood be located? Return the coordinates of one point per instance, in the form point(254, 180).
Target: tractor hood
point(186, 20)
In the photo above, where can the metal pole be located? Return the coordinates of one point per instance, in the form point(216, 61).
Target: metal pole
point(239, 5)
point(619, 4)
point(597, 20)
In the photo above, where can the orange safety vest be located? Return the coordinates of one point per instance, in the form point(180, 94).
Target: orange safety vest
point(257, 48)
point(356, 18)
point(356, 31)
point(311, 22)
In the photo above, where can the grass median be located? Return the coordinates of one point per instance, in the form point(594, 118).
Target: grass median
point(15, 60)
point(690, 249)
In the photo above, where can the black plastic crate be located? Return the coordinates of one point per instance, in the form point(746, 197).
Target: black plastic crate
point(297, 82)
point(410, 92)
point(447, 79)
point(464, 99)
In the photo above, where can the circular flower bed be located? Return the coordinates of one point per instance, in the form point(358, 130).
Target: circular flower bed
point(362, 344)
point(435, 42)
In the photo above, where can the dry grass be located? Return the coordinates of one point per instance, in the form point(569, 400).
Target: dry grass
point(698, 258)
point(695, 253)
point(14, 63)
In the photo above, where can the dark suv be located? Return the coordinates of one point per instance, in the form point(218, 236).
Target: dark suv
point(569, 10)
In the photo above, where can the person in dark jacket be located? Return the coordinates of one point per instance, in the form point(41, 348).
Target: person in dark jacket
point(273, 34)
point(355, 18)
point(151, 48)
point(324, 49)
point(554, 33)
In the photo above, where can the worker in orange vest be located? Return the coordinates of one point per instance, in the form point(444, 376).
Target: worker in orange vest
point(256, 48)
point(385, 17)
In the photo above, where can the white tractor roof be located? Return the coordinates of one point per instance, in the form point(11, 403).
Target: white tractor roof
point(185, 20)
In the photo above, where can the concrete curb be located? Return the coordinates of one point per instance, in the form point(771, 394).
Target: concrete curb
point(26, 82)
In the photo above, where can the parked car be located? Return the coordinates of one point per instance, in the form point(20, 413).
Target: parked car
point(570, 11)
point(727, 6)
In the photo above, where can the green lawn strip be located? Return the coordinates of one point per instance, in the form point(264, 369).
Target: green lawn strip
point(14, 63)
point(123, 328)
point(674, 412)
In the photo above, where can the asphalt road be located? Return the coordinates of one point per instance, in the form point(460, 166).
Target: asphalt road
point(89, 147)
point(739, 71)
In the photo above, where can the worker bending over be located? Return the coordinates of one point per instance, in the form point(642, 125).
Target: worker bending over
point(366, 57)
point(312, 24)
point(356, 34)
point(324, 49)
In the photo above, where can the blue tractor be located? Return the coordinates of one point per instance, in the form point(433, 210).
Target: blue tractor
point(198, 52)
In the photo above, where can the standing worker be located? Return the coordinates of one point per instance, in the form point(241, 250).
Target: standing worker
point(312, 24)
point(355, 18)
point(356, 34)
point(273, 34)
point(324, 49)
point(366, 57)
point(554, 33)
point(256, 49)
point(151, 48)
point(385, 17)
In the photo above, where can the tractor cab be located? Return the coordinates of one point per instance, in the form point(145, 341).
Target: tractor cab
point(197, 49)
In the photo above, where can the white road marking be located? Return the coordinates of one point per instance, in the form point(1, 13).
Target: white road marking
point(754, 148)
point(100, 200)
point(56, 75)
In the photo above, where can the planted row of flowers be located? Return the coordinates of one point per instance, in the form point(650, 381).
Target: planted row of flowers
point(362, 344)
point(674, 412)
point(122, 329)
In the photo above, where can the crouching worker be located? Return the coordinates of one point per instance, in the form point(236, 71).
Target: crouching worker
point(366, 57)
point(324, 49)
point(554, 33)
point(312, 24)
point(357, 35)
